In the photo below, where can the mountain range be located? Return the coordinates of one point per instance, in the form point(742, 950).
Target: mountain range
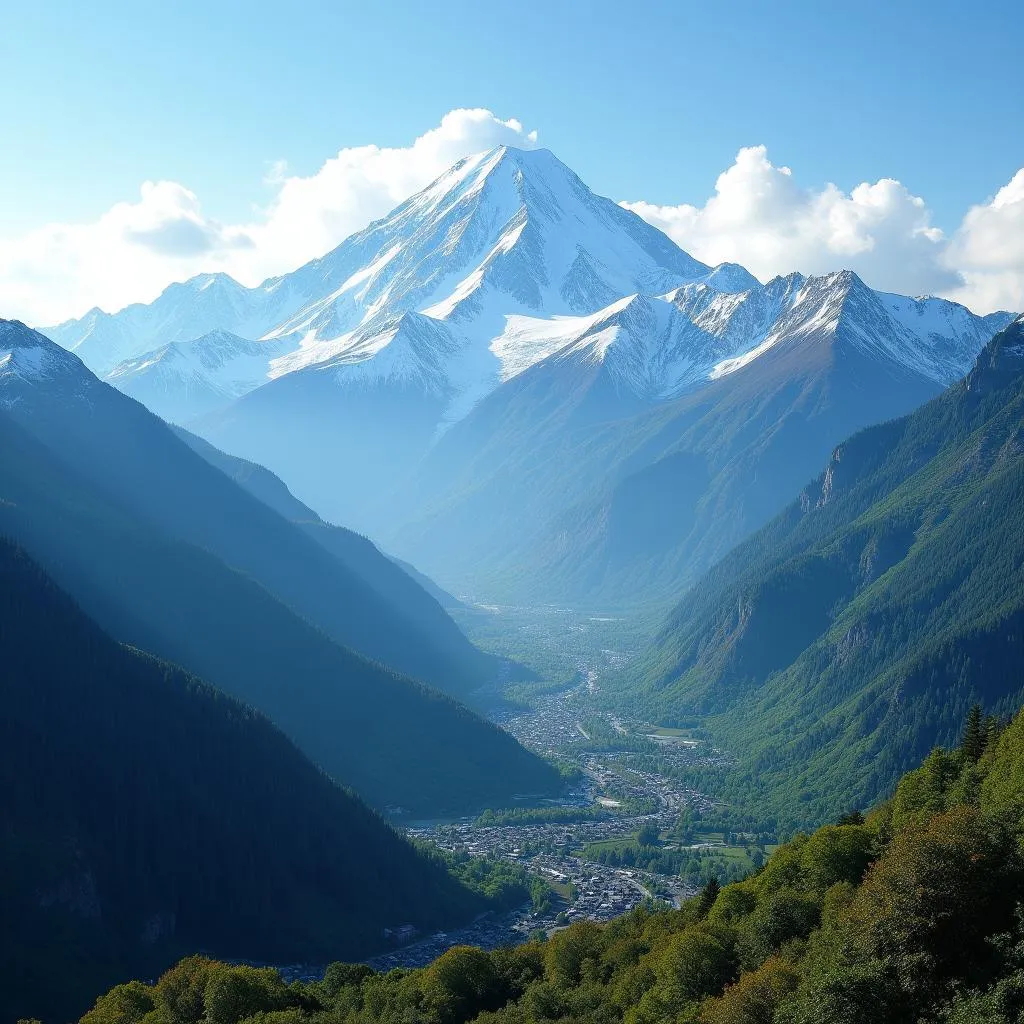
point(529, 391)
point(838, 644)
point(563, 485)
point(308, 623)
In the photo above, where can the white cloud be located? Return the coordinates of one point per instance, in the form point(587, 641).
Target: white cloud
point(759, 216)
point(763, 219)
point(135, 249)
point(131, 252)
point(988, 250)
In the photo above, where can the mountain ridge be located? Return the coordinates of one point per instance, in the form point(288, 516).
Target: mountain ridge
point(146, 815)
point(843, 639)
point(629, 502)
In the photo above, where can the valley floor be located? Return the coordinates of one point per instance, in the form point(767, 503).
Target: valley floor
point(628, 775)
point(628, 778)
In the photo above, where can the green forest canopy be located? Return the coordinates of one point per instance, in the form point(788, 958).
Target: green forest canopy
point(910, 914)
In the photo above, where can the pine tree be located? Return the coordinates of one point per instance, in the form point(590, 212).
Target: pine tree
point(972, 746)
point(993, 727)
point(707, 897)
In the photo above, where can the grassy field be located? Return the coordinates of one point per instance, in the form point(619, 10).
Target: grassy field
point(563, 889)
point(618, 845)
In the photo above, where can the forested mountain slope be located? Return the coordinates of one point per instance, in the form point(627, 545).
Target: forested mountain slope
point(146, 815)
point(393, 740)
point(839, 643)
point(156, 478)
point(912, 915)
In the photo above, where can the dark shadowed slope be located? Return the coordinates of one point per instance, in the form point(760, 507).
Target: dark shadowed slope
point(393, 740)
point(139, 461)
point(146, 815)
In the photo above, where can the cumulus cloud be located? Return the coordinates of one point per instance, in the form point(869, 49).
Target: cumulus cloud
point(135, 249)
point(988, 251)
point(758, 216)
point(130, 253)
point(762, 218)
point(168, 221)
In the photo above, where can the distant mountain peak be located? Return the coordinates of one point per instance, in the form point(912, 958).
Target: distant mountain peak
point(219, 335)
point(16, 336)
point(502, 261)
point(15, 332)
point(27, 356)
point(782, 283)
point(999, 361)
point(505, 232)
point(534, 163)
point(217, 277)
point(731, 277)
point(832, 290)
point(202, 282)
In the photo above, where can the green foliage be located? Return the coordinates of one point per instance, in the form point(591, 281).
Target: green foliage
point(503, 884)
point(708, 896)
point(123, 1004)
point(913, 912)
point(648, 835)
point(755, 996)
point(696, 865)
point(972, 745)
point(541, 815)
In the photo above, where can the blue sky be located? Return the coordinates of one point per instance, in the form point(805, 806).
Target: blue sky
point(646, 101)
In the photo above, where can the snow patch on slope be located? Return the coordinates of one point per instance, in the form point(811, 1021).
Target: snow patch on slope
point(28, 356)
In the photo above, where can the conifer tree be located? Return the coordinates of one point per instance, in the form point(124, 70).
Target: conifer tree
point(707, 897)
point(973, 743)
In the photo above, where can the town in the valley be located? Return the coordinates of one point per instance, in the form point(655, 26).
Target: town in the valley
point(617, 797)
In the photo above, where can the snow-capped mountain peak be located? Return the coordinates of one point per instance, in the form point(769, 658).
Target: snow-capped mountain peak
point(28, 359)
point(400, 348)
point(731, 277)
point(506, 260)
point(504, 232)
point(934, 338)
point(182, 312)
point(201, 374)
